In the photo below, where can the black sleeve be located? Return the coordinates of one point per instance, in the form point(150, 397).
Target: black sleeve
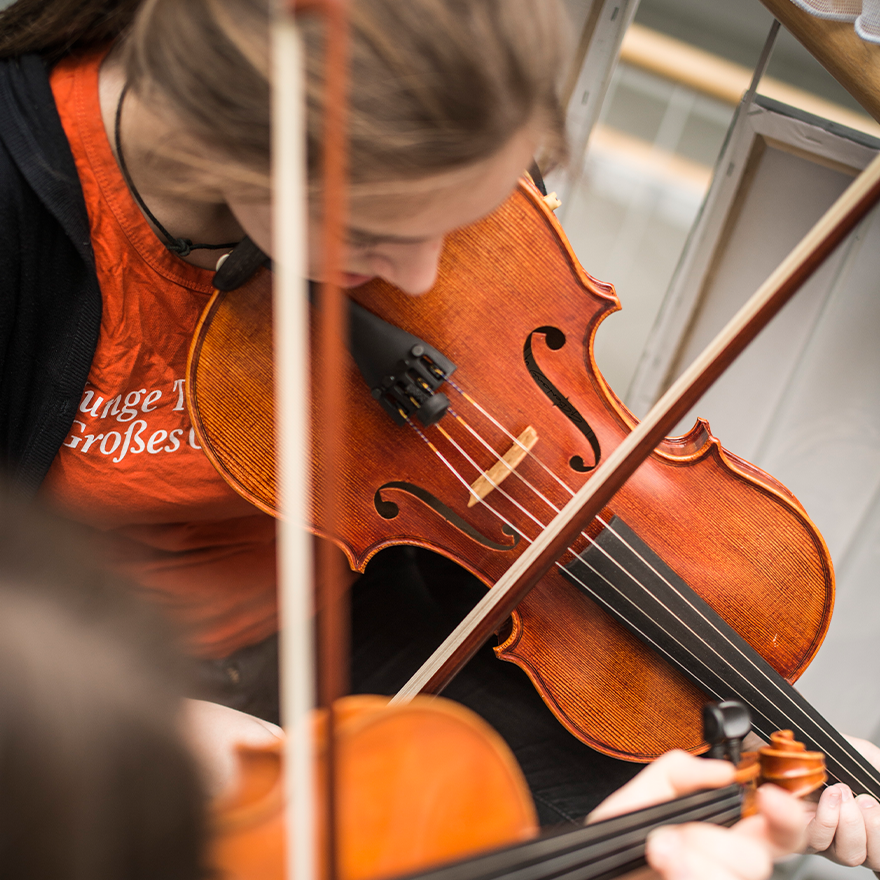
point(50, 303)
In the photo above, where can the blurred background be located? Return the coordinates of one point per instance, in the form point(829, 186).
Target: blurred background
point(651, 153)
point(645, 207)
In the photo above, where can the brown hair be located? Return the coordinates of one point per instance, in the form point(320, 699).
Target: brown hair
point(435, 84)
point(96, 782)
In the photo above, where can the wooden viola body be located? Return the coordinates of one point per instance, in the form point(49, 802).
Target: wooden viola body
point(414, 783)
point(516, 313)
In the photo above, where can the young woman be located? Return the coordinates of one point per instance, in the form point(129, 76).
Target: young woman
point(449, 103)
point(448, 106)
point(134, 150)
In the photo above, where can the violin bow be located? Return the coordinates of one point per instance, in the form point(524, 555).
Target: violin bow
point(490, 612)
point(295, 575)
point(296, 443)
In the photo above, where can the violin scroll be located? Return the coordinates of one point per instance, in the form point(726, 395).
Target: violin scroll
point(787, 763)
point(784, 762)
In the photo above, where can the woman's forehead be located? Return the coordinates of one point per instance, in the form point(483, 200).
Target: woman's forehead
point(437, 204)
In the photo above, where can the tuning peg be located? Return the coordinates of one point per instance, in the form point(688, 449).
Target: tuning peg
point(725, 726)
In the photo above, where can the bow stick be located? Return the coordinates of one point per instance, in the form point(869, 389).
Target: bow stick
point(295, 445)
point(294, 551)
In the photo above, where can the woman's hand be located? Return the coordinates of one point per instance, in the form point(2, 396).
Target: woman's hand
point(700, 851)
point(214, 731)
point(672, 775)
point(844, 828)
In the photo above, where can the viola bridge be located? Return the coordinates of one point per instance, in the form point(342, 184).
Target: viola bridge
point(504, 467)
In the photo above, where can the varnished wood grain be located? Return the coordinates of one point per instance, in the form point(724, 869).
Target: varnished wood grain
point(732, 533)
point(852, 61)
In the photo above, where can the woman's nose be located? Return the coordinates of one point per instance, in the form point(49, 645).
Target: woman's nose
point(411, 267)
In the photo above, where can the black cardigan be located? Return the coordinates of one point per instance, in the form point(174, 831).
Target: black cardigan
point(50, 302)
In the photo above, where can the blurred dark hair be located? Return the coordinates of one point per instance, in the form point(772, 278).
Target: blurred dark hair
point(96, 782)
point(53, 27)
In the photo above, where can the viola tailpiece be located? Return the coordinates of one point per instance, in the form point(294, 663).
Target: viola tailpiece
point(403, 373)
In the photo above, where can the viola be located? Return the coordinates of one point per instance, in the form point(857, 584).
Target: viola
point(517, 315)
point(430, 790)
point(414, 784)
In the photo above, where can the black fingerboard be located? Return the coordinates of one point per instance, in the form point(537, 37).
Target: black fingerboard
point(600, 851)
point(629, 581)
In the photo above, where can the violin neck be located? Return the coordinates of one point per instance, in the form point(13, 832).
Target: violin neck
point(628, 580)
point(602, 850)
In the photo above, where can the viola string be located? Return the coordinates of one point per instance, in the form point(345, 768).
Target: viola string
point(592, 543)
point(516, 473)
point(622, 540)
point(820, 723)
point(550, 472)
point(600, 849)
point(541, 525)
point(828, 731)
point(644, 636)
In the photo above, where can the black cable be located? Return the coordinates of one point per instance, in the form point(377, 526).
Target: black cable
point(179, 246)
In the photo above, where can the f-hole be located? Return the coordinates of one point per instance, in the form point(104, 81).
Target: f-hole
point(387, 509)
point(555, 339)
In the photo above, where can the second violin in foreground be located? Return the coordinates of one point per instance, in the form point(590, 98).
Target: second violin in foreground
point(429, 787)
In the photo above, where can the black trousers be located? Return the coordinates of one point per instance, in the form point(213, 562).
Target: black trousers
point(403, 607)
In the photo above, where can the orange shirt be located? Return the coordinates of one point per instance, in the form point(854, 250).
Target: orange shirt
point(131, 464)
